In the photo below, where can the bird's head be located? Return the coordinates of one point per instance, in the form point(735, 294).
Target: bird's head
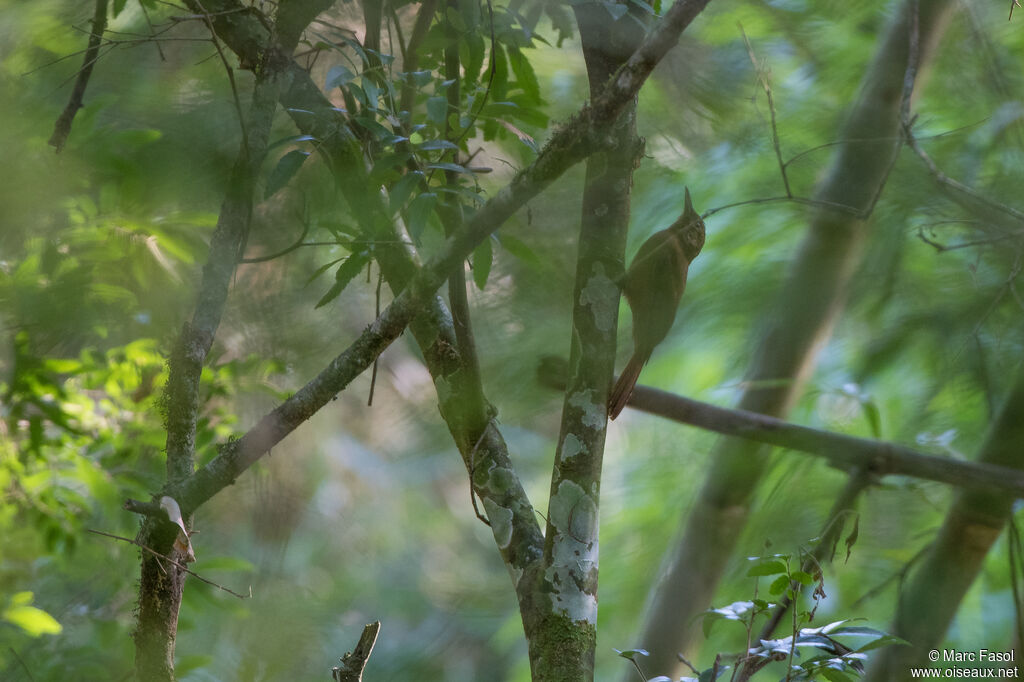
point(691, 229)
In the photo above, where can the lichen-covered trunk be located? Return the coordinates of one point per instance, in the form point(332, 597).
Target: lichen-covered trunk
point(562, 633)
point(793, 331)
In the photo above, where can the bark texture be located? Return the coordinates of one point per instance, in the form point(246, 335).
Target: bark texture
point(564, 639)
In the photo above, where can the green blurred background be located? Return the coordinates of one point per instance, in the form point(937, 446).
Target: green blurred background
point(364, 513)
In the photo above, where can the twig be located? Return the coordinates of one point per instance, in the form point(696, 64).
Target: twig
point(176, 563)
point(472, 470)
point(909, 79)
point(353, 662)
point(149, 22)
point(963, 245)
point(376, 361)
point(762, 76)
point(62, 128)
point(898, 575)
point(949, 182)
point(25, 667)
point(231, 79)
point(283, 252)
point(843, 208)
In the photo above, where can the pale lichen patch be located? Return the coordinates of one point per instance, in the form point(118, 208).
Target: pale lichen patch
point(571, 446)
point(594, 413)
point(572, 576)
point(501, 522)
point(602, 296)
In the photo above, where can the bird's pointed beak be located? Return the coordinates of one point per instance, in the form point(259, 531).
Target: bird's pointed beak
point(688, 207)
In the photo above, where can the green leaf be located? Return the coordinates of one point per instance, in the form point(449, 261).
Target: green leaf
point(483, 258)
point(779, 584)
point(465, 193)
point(710, 618)
point(802, 578)
point(885, 640)
point(874, 417)
point(766, 568)
point(287, 167)
point(631, 654)
point(437, 109)
point(434, 145)
point(33, 621)
point(401, 190)
point(354, 44)
point(322, 269)
point(472, 50)
point(833, 675)
point(388, 168)
point(346, 272)
point(417, 78)
point(525, 77)
point(499, 65)
point(379, 132)
point(449, 166)
point(291, 139)
point(372, 92)
point(337, 75)
point(419, 211)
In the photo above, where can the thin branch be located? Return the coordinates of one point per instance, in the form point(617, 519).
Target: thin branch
point(376, 362)
point(953, 184)
point(152, 31)
point(411, 59)
point(899, 576)
point(176, 563)
point(298, 243)
point(353, 663)
point(762, 76)
point(231, 79)
point(843, 208)
point(62, 128)
point(23, 665)
point(963, 245)
point(471, 466)
point(880, 458)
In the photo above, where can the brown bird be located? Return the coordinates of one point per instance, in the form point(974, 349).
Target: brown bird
point(653, 286)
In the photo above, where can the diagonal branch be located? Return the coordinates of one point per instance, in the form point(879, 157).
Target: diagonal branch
point(62, 128)
point(582, 136)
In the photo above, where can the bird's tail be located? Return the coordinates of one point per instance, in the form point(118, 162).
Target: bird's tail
point(623, 388)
